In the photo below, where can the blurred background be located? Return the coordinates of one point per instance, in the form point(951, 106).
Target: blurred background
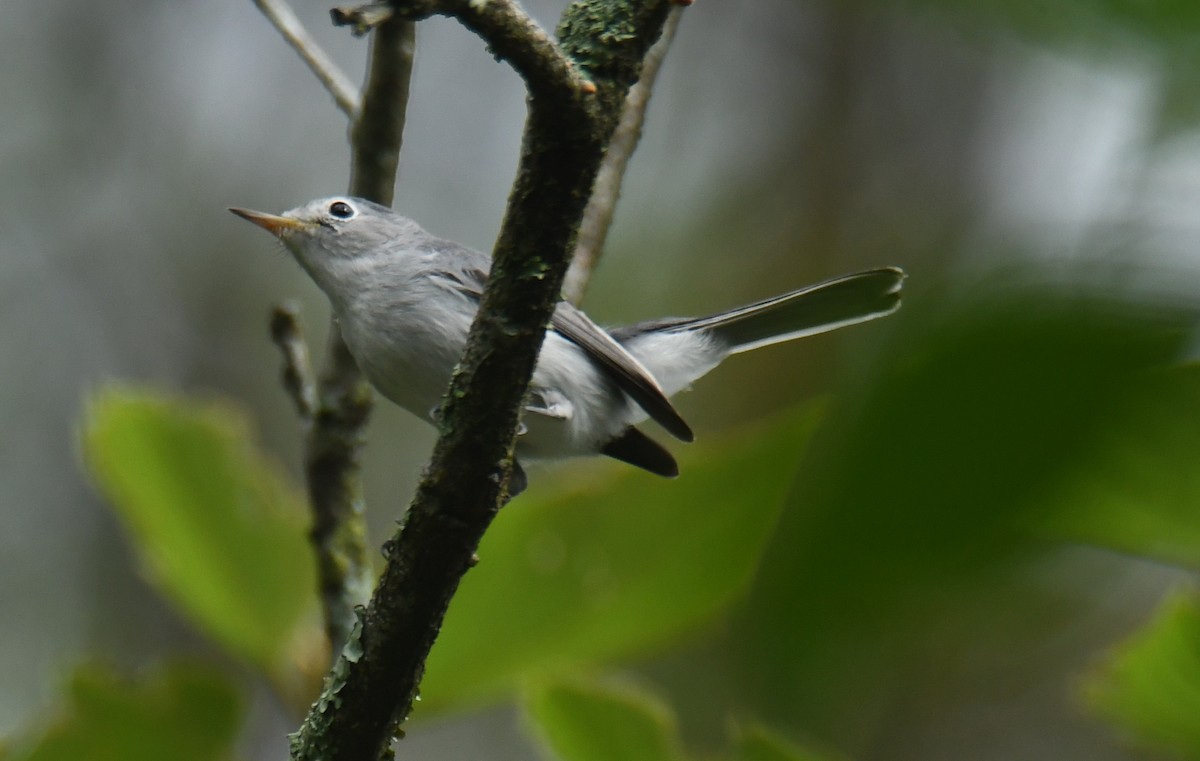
point(996, 493)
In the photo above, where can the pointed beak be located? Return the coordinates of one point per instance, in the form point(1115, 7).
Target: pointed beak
point(272, 223)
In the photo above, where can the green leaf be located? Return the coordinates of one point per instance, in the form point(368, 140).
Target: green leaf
point(592, 721)
point(1152, 684)
point(216, 526)
point(184, 712)
point(923, 498)
point(604, 571)
point(1139, 489)
point(757, 743)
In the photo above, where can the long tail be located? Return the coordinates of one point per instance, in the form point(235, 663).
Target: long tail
point(819, 308)
point(680, 350)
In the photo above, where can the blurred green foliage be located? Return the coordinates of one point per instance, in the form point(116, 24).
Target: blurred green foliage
point(587, 721)
point(1135, 487)
point(183, 711)
point(757, 743)
point(1166, 29)
point(931, 489)
point(1174, 22)
point(583, 719)
point(607, 570)
point(1152, 684)
point(217, 527)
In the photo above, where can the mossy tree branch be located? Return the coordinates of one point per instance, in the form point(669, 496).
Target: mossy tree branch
point(577, 87)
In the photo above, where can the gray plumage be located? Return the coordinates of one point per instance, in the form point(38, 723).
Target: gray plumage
point(404, 300)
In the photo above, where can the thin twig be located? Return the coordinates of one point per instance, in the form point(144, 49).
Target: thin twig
point(333, 445)
point(370, 691)
point(598, 217)
point(344, 93)
point(298, 376)
point(336, 409)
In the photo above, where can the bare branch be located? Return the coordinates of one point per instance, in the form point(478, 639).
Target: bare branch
point(298, 376)
point(361, 18)
point(576, 94)
point(335, 410)
point(514, 36)
point(598, 217)
point(344, 93)
point(377, 133)
point(333, 445)
point(334, 413)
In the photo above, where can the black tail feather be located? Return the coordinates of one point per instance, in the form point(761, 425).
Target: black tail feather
point(636, 448)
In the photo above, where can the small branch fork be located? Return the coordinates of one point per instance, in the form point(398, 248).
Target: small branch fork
point(362, 18)
point(578, 87)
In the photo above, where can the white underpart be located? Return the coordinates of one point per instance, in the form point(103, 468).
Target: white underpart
point(676, 359)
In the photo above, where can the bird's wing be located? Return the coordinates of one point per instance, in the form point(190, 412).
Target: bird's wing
point(469, 275)
point(463, 269)
point(629, 374)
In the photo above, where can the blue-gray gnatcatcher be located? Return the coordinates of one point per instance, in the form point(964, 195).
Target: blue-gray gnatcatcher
point(404, 300)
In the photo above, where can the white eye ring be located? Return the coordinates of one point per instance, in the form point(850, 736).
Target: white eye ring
point(341, 210)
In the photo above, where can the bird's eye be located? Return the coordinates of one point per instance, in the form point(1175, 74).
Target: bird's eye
point(341, 210)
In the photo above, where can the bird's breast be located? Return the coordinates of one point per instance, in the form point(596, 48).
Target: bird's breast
point(407, 346)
